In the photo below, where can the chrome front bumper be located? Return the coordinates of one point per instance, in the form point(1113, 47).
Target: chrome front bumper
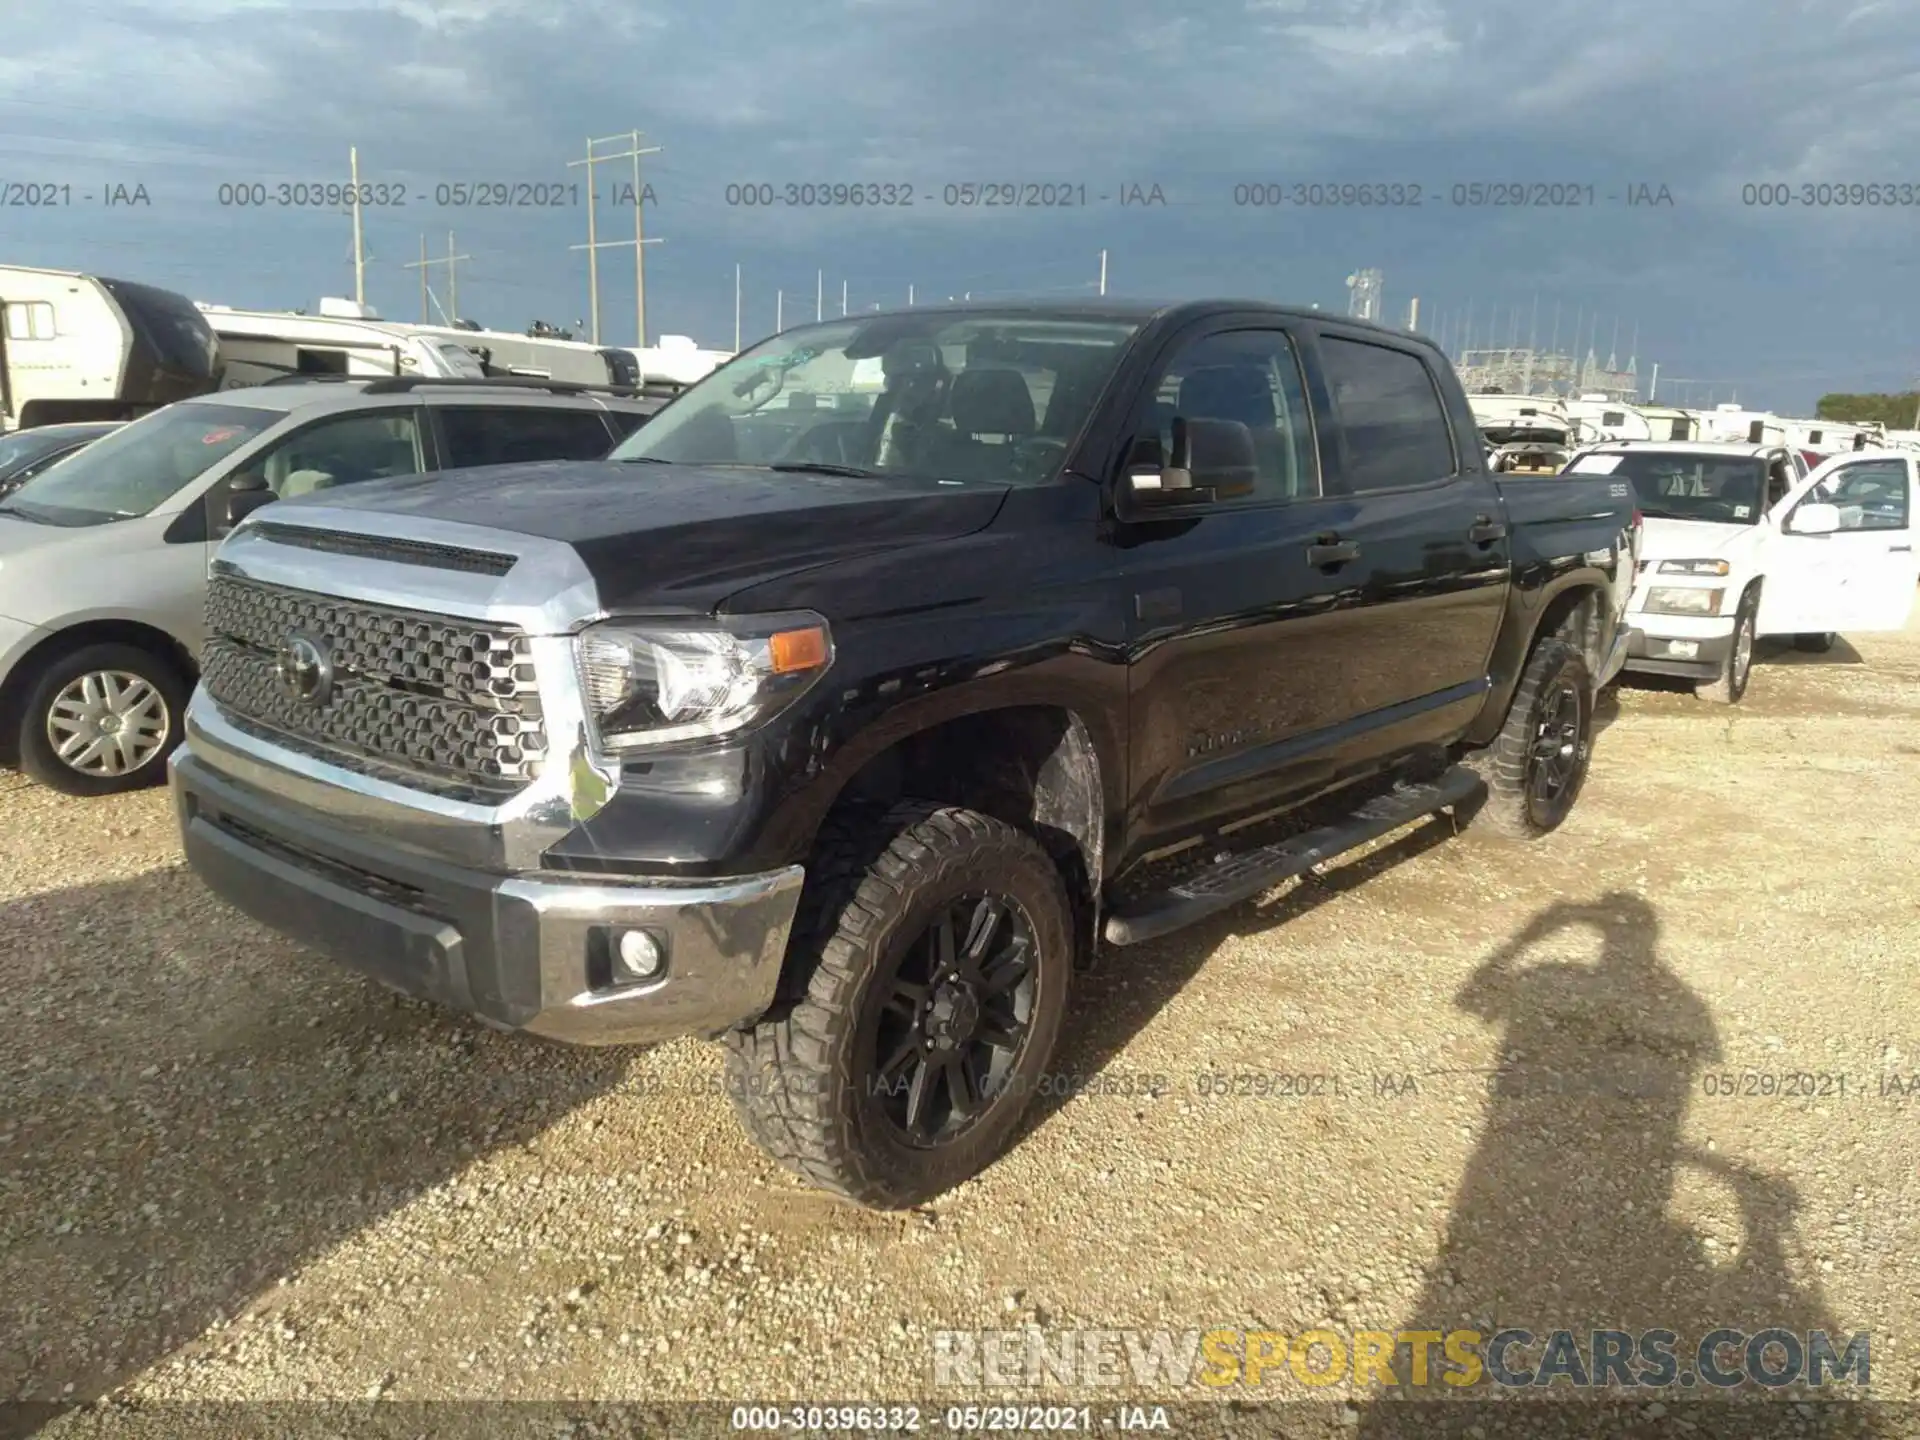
point(452, 899)
point(519, 952)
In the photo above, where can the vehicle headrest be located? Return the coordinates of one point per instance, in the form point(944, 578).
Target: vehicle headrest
point(992, 402)
point(1229, 392)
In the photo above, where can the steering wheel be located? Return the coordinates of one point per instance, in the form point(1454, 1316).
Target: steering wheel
point(830, 444)
point(1036, 455)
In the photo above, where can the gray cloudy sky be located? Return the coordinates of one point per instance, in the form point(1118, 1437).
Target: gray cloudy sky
point(183, 96)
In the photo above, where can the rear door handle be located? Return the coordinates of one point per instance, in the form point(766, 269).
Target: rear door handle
point(1329, 550)
point(1899, 549)
point(1486, 530)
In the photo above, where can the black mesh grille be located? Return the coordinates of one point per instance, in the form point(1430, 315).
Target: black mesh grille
point(447, 698)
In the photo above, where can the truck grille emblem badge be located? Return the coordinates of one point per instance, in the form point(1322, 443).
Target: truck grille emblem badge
point(305, 669)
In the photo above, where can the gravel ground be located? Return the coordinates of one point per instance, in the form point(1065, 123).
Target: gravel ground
point(230, 1171)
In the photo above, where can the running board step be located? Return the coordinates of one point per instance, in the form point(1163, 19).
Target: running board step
point(1237, 878)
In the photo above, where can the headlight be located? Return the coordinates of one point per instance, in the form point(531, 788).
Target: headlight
point(1675, 600)
point(1693, 567)
point(655, 682)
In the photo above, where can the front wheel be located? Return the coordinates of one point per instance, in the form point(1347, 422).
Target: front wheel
point(1536, 765)
point(941, 947)
point(102, 720)
point(1730, 686)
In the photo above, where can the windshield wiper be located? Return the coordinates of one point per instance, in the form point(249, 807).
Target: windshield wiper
point(644, 460)
point(26, 515)
point(821, 467)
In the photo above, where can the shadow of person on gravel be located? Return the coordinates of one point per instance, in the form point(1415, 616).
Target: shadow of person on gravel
point(1564, 1217)
point(192, 1108)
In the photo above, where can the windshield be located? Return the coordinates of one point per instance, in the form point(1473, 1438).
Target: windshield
point(140, 466)
point(23, 446)
point(978, 396)
point(1727, 490)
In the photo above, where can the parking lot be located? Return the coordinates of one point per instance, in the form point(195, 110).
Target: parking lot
point(1384, 1098)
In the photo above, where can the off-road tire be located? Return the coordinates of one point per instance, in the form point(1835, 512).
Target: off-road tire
point(1510, 810)
point(876, 877)
point(1816, 644)
point(1730, 686)
point(37, 755)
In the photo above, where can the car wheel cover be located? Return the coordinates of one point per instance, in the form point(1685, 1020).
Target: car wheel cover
point(108, 723)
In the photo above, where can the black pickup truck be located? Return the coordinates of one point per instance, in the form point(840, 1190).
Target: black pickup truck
point(886, 678)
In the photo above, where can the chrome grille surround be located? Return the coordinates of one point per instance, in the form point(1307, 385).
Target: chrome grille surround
point(543, 599)
point(455, 700)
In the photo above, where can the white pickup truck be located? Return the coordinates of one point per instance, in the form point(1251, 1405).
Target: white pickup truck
point(1741, 542)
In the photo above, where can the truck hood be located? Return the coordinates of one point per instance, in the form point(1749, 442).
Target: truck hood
point(683, 534)
point(1695, 539)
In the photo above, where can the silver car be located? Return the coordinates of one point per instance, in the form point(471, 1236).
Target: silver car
point(103, 557)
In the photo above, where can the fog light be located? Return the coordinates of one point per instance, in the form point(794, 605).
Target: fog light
point(640, 955)
point(1683, 649)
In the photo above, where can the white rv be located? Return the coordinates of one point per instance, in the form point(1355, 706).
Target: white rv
point(679, 359)
point(79, 347)
point(1730, 425)
point(258, 346)
point(1834, 437)
point(1598, 417)
point(537, 357)
point(1669, 422)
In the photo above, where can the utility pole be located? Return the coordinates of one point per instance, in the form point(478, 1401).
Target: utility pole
point(450, 260)
point(359, 244)
point(595, 245)
point(909, 295)
point(736, 308)
point(1654, 383)
point(1103, 272)
point(421, 266)
point(843, 297)
point(779, 311)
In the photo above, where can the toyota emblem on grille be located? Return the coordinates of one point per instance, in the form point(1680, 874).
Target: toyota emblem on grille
point(306, 669)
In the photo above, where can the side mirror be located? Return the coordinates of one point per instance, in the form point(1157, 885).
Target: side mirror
point(1211, 460)
point(1814, 519)
point(246, 493)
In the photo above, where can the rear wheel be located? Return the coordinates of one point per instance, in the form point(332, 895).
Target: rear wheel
point(1731, 684)
point(939, 980)
point(1536, 765)
point(1816, 644)
point(102, 720)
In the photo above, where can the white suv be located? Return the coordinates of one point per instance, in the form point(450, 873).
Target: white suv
point(1742, 542)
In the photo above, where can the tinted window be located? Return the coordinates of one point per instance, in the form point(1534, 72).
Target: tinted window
point(477, 436)
point(1390, 416)
point(341, 451)
point(1871, 495)
point(1252, 376)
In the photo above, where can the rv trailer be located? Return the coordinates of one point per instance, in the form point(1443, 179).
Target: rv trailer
point(79, 347)
point(345, 340)
point(1598, 417)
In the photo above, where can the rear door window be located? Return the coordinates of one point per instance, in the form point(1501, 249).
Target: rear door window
point(506, 435)
point(1391, 420)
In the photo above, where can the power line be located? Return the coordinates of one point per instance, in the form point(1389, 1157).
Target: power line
point(450, 260)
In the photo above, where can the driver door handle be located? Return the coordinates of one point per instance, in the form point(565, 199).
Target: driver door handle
point(1332, 550)
point(1486, 530)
